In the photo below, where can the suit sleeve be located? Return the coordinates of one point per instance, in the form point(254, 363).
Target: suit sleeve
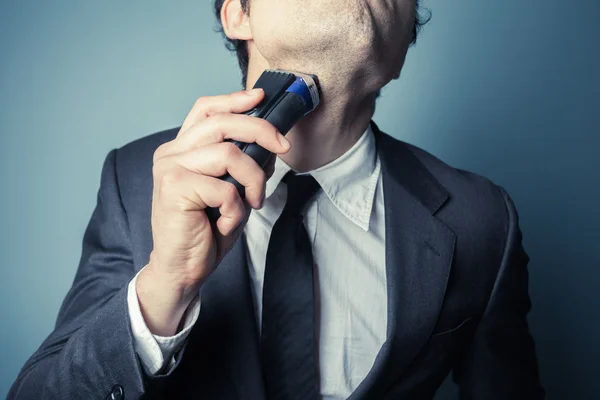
point(91, 348)
point(500, 362)
point(157, 352)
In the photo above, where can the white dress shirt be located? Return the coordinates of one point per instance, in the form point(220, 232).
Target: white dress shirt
point(345, 223)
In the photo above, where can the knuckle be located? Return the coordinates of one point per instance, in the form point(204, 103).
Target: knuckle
point(261, 178)
point(218, 136)
point(170, 179)
point(160, 152)
point(237, 97)
point(217, 121)
point(229, 192)
point(156, 155)
point(265, 128)
point(235, 219)
point(158, 168)
point(239, 212)
point(231, 151)
point(201, 102)
point(217, 132)
point(228, 227)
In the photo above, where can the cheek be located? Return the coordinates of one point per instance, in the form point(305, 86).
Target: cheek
point(281, 34)
point(275, 15)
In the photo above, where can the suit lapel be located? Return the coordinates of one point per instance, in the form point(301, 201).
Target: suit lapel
point(419, 253)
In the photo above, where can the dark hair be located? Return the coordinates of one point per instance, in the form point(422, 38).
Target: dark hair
point(239, 46)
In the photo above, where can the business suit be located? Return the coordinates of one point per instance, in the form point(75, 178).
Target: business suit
point(457, 295)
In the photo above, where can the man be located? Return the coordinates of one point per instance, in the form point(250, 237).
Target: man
point(367, 268)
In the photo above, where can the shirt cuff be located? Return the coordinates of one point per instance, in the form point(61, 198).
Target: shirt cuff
point(152, 349)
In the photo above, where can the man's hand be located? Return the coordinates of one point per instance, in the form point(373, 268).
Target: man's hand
point(186, 246)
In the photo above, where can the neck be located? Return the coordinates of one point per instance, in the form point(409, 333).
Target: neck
point(328, 132)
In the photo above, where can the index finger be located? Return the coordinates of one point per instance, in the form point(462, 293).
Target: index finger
point(236, 102)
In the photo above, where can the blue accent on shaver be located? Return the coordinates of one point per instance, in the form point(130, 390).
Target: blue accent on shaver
point(301, 88)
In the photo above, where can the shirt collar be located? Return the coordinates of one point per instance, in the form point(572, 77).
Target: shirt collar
point(348, 181)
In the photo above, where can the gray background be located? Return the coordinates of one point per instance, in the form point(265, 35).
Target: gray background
point(509, 89)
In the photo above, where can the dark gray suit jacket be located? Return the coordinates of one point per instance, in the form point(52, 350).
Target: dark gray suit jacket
point(457, 295)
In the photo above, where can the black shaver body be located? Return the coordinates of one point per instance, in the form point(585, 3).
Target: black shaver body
point(288, 97)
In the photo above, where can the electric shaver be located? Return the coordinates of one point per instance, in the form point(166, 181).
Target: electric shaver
point(288, 97)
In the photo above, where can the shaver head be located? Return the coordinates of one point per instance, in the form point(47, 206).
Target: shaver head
point(307, 86)
point(279, 84)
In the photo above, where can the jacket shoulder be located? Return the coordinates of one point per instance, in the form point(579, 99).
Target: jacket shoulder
point(477, 210)
point(465, 188)
point(133, 166)
point(138, 153)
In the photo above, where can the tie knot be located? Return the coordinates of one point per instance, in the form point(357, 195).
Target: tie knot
point(300, 188)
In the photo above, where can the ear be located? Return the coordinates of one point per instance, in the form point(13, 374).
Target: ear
point(236, 24)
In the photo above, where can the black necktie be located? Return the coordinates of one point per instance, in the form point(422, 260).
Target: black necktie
point(288, 334)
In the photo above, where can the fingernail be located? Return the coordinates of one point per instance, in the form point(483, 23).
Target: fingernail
point(284, 142)
point(253, 92)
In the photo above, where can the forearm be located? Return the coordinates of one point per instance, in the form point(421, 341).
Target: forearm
point(86, 363)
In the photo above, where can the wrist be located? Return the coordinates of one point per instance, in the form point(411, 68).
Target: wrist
point(163, 300)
